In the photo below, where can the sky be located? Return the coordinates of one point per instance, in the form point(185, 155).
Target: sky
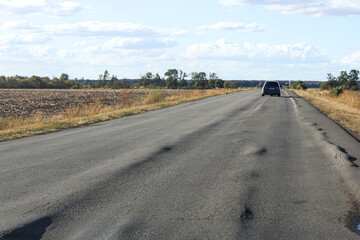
point(237, 39)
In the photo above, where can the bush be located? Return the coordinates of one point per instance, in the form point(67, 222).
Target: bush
point(233, 85)
point(325, 86)
point(354, 88)
point(156, 96)
point(299, 85)
point(336, 91)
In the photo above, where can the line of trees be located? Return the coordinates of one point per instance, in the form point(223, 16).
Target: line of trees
point(343, 81)
point(173, 79)
point(63, 82)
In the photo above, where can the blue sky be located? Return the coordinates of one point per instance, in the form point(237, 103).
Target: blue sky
point(237, 39)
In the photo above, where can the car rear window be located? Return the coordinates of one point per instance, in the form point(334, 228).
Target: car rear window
point(272, 84)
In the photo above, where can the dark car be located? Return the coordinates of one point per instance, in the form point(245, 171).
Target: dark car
point(271, 88)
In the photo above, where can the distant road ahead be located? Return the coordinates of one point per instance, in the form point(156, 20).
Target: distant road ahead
point(238, 166)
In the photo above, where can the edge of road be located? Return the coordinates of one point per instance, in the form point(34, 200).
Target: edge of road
point(345, 160)
point(351, 133)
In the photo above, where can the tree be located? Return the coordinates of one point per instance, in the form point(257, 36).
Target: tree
point(353, 79)
point(2, 82)
point(200, 80)
point(146, 80)
point(171, 77)
point(226, 84)
point(106, 75)
point(125, 83)
point(37, 82)
point(64, 77)
point(343, 79)
point(215, 81)
point(330, 83)
point(182, 75)
point(219, 83)
point(212, 78)
point(233, 85)
point(114, 82)
point(157, 80)
point(183, 83)
point(102, 79)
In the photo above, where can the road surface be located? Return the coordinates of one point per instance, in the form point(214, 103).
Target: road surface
point(237, 166)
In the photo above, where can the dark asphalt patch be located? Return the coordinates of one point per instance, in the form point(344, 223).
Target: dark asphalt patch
point(254, 175)
point(349, 157)
point(262, 151)
point(166, 149)
point(247, 215)
point(131, 231)
point(31, 231)
point(352, 221)
point(151, 158)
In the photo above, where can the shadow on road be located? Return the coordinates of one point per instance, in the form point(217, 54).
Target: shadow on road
point(32, 231)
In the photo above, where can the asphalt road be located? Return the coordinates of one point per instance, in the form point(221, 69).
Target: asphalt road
point(238, 166)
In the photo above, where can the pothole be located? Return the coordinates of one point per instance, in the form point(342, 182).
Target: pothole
point(247, 215)
point(353, 221)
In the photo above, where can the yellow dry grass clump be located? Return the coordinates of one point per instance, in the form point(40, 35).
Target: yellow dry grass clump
point(16, 127)
point(344, 109)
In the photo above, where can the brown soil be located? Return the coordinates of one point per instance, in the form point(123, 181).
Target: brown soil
point(25, 103)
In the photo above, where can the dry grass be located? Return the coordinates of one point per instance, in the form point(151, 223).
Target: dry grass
point(344, 109)
point(15, 127)
point(156, 97)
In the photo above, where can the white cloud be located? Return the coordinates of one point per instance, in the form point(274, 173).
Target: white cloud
point(96, 28)
point(106, 55)
point(18, 25)
point(120, 35)
point(29, 54)
point(26, 7)
point(308, 7)
point(233, 26)
point(353, 59)
point(251, 52)
point(141, 43)
point(27, 38)
point(176, 32)
point(39, 51)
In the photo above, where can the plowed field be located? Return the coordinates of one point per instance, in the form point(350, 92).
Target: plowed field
point(25, 103)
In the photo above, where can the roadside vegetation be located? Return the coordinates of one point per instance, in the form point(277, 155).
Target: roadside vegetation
point(299, 85)
point(130, 103)
point(345, 81)
point(338, 98)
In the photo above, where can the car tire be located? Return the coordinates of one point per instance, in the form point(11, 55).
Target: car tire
point(262, 94)
point(278, 95)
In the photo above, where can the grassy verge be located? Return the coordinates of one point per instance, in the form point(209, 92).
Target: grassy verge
point(344, 109)
point(14, 127)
